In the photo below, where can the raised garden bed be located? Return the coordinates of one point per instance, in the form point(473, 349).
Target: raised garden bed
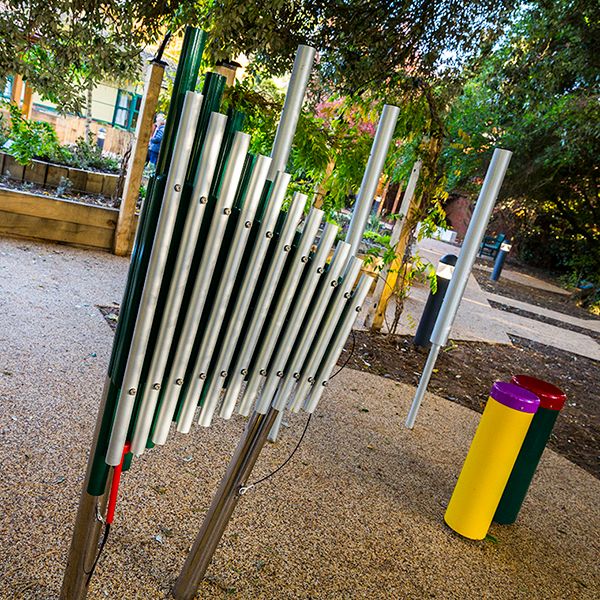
point(42, 217)
point(50, 175)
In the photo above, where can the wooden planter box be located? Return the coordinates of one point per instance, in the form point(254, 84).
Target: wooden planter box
point(46, 218)
point(50, 175)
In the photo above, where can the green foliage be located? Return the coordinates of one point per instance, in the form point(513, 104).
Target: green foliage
point(30, 139)
point(537, 94)
point(87, 155)
point(63, 47)
point(4, 130)
point(365, 44)
point(339, 138)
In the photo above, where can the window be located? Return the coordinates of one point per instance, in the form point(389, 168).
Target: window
point(127, 109)
point(7, 90)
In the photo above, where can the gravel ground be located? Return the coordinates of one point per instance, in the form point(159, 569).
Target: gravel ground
point(356, 514)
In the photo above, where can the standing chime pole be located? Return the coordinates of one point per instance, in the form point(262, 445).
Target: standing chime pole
point(292, 107)
point(458, 283)
point(88, 526)
point(97, 481)
point(223, 504)
point(368, 187)
point(131, 192)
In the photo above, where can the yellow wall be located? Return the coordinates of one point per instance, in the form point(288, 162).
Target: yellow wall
point(104, 98)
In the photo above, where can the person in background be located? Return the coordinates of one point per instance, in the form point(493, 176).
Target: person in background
point(156, 139)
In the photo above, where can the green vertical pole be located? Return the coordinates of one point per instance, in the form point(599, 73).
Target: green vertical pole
point(185, 80)
point(552, 400)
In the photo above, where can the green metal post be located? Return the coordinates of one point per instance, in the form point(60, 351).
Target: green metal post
point(186, 78)
point(551, 401)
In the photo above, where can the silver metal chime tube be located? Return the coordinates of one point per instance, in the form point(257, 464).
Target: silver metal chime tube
point(203, 180)
point(154, 276)
point(235, 320)
point(318, 308)
point(336, 344)
point(239, 370)
point(221, 300)
point(319, 344)
point(368, 187)
point(272, 329)
point(292, 107)
point(288, 337)
point(203, 278)
point(477, 226)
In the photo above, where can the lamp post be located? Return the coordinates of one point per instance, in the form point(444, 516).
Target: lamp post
point(505, 248)
point(432, 308)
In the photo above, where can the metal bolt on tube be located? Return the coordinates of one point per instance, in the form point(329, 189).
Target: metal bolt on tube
point(324, 333)
point(203, 180)
point(288, 337)
point(477, 226)
point(375, 164)
point(154, 275)
point(303, 345)
point(226, 285)
point(272, 278)
point(273, 328)
point(214, 238)
point(292, 107)
point(319, 306)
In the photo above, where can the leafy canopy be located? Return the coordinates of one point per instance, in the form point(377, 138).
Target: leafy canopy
point(61, 47)
point(537, 94)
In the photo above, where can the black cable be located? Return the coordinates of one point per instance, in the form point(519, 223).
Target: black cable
point(287, 460)
point(349, 356)
point(90, 573)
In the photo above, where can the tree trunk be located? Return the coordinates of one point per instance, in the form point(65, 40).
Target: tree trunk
point(88, 112)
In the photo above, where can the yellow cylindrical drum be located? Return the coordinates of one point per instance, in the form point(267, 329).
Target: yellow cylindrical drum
point(494, 450)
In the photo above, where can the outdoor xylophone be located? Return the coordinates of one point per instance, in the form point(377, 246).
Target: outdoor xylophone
point(232, 302)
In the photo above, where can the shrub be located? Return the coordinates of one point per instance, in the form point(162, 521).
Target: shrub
point(86, 155)
point(31, 139)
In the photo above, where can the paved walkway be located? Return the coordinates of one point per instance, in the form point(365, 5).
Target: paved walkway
point(528, 280)
point(476, 320)
point(358, 513)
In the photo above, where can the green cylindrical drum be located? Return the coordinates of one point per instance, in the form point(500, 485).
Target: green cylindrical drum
point(552, 400)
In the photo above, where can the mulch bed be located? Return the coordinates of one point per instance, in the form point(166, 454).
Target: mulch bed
point(32, 188)
point(465, 372)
